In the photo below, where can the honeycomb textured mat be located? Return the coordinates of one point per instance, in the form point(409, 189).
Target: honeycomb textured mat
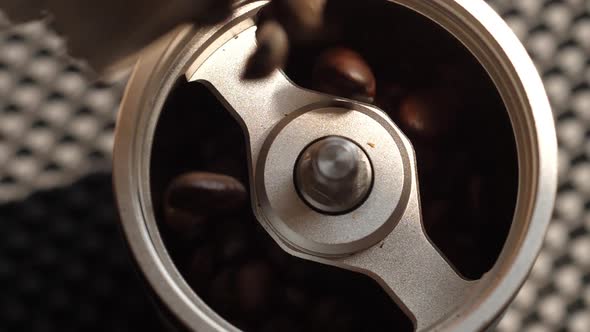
point(55, 124)
point(63, 263)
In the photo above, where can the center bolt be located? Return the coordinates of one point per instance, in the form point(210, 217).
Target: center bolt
point(333, 175)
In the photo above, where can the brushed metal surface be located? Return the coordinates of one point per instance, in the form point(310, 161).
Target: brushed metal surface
point(472, 306)
point(314, 232)
point(333, 175)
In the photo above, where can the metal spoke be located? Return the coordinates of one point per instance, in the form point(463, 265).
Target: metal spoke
point(412, 270)
point(405, 262)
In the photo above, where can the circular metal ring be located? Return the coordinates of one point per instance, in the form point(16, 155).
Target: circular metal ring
point(476, 25)
point(316, 233)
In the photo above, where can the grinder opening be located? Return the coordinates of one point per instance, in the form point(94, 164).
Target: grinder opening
point(443, 101)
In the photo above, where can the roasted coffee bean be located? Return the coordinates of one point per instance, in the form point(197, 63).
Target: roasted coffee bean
point(428, 114)
point(200, 194)
point(222, 293)
point(343, 72)
point(235, 245)
point(255, 287)
point(201, 268)
point(271, 52)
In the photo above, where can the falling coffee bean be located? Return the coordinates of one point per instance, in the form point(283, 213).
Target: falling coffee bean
point(254, 283)
point(282, 23)
point(193, 197)
point(343, 72)
point(271, 52)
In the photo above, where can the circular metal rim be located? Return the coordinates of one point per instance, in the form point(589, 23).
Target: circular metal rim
point(472, 22)
point(399, 170)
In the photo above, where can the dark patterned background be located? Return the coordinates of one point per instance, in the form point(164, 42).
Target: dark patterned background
point(63, 263)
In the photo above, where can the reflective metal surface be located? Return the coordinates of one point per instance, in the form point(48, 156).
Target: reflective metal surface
point(386, 242)
point(333, 175)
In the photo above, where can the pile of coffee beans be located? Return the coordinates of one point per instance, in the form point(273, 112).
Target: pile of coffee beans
point(442, 100)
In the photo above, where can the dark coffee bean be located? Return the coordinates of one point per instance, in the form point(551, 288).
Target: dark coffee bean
point(194, 196)
point(428, 114)
point(271, 52)
point(222, 293)
point(186, 224)
point(343, 72)
point(255, 287)
point(201, 269)
point(235, 245)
